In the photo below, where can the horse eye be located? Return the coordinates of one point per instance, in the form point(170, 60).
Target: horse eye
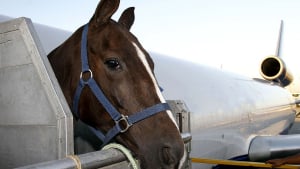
point(113, 64)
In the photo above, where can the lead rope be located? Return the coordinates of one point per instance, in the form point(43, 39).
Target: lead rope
point(133, 162)
point(76, 159)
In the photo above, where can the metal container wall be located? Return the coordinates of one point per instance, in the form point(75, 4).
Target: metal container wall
point(36, 124)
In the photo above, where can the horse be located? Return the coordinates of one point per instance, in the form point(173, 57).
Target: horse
point(108, 80)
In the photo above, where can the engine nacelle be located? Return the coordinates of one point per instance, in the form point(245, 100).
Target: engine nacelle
point(263, 148)
point(273, 68)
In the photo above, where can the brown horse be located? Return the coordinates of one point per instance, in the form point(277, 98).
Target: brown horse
point(102, 68)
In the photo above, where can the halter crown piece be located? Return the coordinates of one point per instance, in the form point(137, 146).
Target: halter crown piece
point(113, 112)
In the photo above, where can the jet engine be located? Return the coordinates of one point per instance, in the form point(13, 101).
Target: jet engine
point(273, 68)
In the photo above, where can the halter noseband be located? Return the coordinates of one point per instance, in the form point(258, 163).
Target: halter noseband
point(119, 118)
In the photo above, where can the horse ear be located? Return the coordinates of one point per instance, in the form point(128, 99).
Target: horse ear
point(127, 18)
point(105, 10)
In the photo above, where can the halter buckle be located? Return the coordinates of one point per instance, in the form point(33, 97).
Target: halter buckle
point(123, 123)
point(85, 79)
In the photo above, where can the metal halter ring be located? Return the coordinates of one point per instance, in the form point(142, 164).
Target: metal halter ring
point(126, 124)
point(86, 79)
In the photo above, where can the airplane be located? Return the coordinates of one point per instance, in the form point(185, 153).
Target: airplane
point(232, 116)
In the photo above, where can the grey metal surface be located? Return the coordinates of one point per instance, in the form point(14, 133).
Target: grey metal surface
point(263, 148)
point(106, 159)
point(182, 116)
point(35, 121)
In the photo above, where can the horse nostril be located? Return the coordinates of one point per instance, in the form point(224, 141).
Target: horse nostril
point(167, 156)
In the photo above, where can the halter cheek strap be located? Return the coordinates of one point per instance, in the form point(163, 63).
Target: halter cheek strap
point(118, 118)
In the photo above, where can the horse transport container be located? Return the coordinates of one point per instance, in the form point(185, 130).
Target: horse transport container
point(35, 121)
point(36, 124)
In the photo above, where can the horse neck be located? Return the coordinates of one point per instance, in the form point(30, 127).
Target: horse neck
point(65, 62)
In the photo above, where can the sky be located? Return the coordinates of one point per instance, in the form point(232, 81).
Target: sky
point(233, 35)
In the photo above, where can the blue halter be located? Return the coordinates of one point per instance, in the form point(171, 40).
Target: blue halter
point(119, 118)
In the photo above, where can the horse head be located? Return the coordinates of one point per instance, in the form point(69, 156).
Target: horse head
point(123, 73)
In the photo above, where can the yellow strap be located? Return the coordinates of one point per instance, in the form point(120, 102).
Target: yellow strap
point(76, 159)
point(239, 163)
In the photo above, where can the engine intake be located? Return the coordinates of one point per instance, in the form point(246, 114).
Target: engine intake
point(274, 69)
